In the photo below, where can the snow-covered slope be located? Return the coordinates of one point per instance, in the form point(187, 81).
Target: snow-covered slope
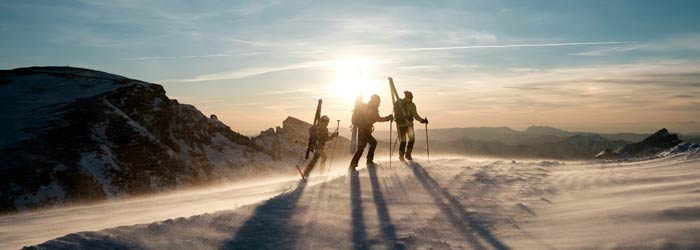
point(71, 134)
point(449, 203)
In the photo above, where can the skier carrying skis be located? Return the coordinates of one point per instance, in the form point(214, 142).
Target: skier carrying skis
point(364, 118)
point(405, 126)
point(322, 136)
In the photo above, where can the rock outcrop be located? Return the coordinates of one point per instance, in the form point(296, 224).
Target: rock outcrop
point(71, 134)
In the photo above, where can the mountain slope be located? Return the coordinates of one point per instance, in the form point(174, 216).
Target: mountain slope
point(75, 134)
point(654, 144)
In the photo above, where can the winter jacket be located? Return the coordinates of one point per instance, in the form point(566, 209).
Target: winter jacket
point(410, 112)
point(371, 116)
point(322, 137)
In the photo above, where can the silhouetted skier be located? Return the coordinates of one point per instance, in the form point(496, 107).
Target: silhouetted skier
point(364, 118)
point(322, 136)
point(405, 126)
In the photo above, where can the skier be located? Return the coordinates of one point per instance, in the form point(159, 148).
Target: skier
point(364, 118)
point(322, 136)
point(405, 126)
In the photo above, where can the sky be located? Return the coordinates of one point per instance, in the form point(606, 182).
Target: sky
point(599, 66)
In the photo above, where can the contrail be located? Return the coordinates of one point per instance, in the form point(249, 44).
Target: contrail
point(512, 46)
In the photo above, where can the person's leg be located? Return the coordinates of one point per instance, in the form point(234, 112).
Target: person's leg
point(323, 161)
point(372, 147)
point(411, 140)
point(312, 163)
point(402, 138)
point(361, 144)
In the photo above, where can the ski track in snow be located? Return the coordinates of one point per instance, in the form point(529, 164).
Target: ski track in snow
point(451, 203)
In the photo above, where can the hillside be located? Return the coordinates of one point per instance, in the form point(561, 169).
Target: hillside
point(75, 134)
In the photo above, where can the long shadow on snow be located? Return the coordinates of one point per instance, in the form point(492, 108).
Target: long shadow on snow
point(387, 227)
point(359, 236)
point(466, 223)
point(270, 227)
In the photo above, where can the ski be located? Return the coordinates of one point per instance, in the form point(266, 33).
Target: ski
point(399, 116)
point(316, 117)
point(353, 138)
point(399, 110)
point(302, 174)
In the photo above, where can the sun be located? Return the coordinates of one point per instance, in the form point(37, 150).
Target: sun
point(354, 76)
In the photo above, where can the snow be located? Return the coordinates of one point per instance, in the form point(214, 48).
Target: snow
point(135, 125)
point(448, 203)
point(29, 101)
point(31, 227)
point(96, 164)
point(53, 191)
point(228, 152)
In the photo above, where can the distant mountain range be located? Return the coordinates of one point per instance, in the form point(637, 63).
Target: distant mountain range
point(533, 142)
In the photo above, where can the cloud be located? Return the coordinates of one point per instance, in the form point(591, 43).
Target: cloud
point(172, 57)
point(625, 86)
point(682, 42)
point(248, 72)
point(513, 46)
point(289, 91)
point(606, 51)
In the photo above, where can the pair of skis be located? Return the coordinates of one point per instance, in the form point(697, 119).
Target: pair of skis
point(311, 143)
point(353, 139)
point(399, 112)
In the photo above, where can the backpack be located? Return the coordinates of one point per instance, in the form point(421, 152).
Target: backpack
point(400, 112)
point(359, 115)
point(313, 136)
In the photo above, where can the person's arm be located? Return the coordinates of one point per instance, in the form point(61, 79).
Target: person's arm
point(387, 118)
point(414, 112)
point(376, 117)
point(323, 135)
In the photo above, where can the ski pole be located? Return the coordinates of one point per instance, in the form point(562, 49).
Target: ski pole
point(427, 144)
point(390, 134)
point(330, 166)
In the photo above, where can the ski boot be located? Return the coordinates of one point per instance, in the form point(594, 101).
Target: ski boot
point(408, 157)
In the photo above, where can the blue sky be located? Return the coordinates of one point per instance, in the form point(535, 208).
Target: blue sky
point(605, 66)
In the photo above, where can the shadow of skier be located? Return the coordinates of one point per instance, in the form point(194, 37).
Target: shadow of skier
point(466, 223)
point(270, 227)
point(385, 224)
point(359, 236)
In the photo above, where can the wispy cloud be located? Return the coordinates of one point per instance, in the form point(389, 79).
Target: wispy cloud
point(289, 91)
point(248, 72)
point(683, 42)
point(514, 46)
point(171, 57)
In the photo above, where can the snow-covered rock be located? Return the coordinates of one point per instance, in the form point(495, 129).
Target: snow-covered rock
point(690, 150)
point(652, 146)
point(289, 142)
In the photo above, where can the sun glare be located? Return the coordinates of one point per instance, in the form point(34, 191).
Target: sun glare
point(354, 76)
